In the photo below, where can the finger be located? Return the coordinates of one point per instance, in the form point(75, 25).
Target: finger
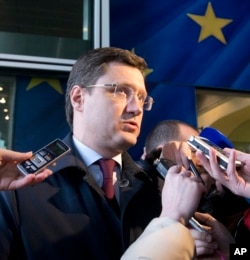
point(231, 168)
point(219, 186)
point(216, 171)
point(21, 182)
point(182, 154)
point(9, 156)
point(201, 236)
point(209, 245)
point(201, 251)
point(203, 161)
point(177, 155)
point(174, 169)
point(185, 154)
point(187, 173)
point(29, 179)
point(227, 150)
point(204, 218)
point(42, 175)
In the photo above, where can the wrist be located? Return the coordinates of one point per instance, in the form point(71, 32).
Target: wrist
point(175, 217)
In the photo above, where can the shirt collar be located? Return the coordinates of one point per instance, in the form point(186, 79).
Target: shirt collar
point(89, 156)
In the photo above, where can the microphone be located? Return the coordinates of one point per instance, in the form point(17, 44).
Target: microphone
point(216, 137)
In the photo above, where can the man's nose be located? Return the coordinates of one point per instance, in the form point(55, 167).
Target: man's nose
point(134, 105)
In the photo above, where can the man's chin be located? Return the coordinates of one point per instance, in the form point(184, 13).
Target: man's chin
point(129, 141)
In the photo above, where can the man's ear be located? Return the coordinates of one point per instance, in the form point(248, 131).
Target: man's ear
point(77, 97)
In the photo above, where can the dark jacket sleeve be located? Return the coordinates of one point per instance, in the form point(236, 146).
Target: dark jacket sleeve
point(10, 241)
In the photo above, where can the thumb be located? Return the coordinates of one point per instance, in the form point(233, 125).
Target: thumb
point(204, 218)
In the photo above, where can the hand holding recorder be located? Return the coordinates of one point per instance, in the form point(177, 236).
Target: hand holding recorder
point(23, 169)
point(202, 144)
point(244, 170)
point(214, 241)
point(235, 179)
point(181, 194)
point(10, 177)
point(179, 153)
point(44, 157)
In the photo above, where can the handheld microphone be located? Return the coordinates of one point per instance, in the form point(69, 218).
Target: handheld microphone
point(216, 137)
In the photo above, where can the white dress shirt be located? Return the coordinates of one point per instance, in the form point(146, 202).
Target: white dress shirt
point(90, 157)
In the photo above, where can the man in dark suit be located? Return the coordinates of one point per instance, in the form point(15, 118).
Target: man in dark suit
point(160, 239)
point(68, 215)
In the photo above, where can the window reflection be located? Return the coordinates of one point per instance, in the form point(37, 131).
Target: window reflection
point(7, 96)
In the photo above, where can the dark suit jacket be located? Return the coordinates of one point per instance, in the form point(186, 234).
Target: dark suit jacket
point(67, 216)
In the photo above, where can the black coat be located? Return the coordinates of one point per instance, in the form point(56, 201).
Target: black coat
point(67, 216)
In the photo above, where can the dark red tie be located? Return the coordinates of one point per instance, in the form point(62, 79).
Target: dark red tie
point(107, 167)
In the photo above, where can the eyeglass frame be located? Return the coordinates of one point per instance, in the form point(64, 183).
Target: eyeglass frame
point(148, 100)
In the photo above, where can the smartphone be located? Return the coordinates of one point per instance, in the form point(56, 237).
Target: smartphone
point(196, 225)
point(203, 144)
point(44, 157)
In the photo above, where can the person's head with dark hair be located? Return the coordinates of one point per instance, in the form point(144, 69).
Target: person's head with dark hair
point(165, 131)
point(105, 99)
point(95, 64)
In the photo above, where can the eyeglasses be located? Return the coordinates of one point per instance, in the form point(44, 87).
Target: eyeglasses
point(127, 93)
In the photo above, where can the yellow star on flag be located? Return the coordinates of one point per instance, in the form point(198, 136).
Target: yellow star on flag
point(210, 24)
point(148, 70)
point(54, 83)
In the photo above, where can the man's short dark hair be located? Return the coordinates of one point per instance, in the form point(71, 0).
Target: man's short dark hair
point(92, 65)
point(163, 132)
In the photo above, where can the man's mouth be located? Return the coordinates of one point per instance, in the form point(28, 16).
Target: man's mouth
point(130, 126)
